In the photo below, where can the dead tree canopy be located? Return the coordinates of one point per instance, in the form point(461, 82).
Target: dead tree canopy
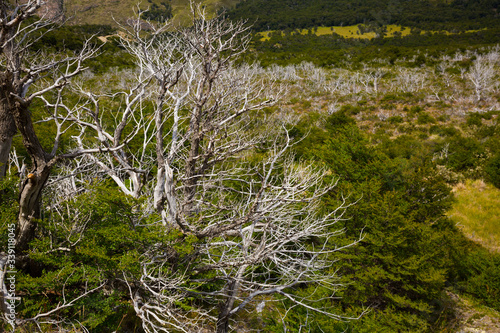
point(224, 177)
point(25, 76)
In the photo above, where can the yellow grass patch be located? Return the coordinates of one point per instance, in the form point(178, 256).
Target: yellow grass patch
point(350, 31)
point(392, 29)
point(477, 212)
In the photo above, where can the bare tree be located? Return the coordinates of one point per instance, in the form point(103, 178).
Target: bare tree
point(226, 184)
point(103, 144)
point(25, 76)
point(482, 74)
point(410, 80)
point(374, 76)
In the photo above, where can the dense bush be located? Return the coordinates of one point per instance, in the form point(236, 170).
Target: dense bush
point(477, 273)
point(401, 225)
point(492, 170)
point(465, 154)
point(157, 13)
point(425, 118)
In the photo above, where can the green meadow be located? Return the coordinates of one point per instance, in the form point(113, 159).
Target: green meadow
point(357, 31)
point(477, 212)
point(351, 31)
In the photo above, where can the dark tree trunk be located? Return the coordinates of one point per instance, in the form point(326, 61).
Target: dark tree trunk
point(31, 190)
point(29, 206)
point(226, 307)
point(7, 124)
point(223, 319)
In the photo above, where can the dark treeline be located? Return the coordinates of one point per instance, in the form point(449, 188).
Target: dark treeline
point(334, 50)
point(458, 15)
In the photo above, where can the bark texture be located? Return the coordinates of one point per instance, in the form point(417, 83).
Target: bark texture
point(7, 124)
point(30, 193)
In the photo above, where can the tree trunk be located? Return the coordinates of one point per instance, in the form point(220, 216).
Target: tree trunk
point(223, 319)
point(29, 206)
point(31, 190)
point(7, 124)
point(5, 146)
point(223, 325)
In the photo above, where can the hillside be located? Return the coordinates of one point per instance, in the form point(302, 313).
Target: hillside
point(289, 14)
point(429, 15)
point(292, 14)
point(107, 11)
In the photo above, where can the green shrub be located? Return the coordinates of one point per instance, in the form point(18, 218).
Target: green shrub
point(425, 118)
point(416, 109)
point(445, 131)
point(350, 109)
point(465, 154)
point(443, 118)
point(395, 119)
point(390, 98)
point(479, 272)
point(406, 128)
point(492, 170)
point(474, 119)
point(156, 13)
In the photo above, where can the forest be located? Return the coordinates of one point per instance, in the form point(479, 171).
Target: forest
point(201, 179)
point(427, 15)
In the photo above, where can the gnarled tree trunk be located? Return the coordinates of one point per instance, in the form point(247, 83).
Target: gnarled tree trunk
point(30, 193)
point(15, 115)
point(7, 124)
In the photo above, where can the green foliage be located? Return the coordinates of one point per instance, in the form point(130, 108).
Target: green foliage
point(465, 154)
point(350, 110)
point(474, 119)
point(8, 207)
point(425, 118)
point(478, 274)
point(157, 13)
point(112, 57)
point(404, 146)
point(71, 38)
point(428, 15)
point(410, 250)
point(492, 170)
point(389, 320)
point(399, 268)
point(96, 241)
point(395, 119)
point(335, 50)
point(443, 130)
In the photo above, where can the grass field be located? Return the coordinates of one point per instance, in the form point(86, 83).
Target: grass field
point(351, 31)
point(477, 212)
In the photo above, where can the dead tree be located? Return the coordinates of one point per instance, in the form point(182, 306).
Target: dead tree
point(225, 180)
point(23, 77)
point(482, 74)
